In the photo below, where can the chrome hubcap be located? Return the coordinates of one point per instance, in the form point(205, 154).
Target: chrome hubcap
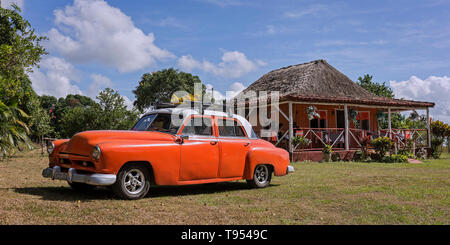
point(262, 174)
point(134, 181)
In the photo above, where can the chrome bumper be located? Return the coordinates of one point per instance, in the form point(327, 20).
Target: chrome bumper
point(290, 169)
point(73, 176)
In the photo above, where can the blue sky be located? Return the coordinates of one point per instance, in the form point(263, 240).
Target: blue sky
point(229, 44)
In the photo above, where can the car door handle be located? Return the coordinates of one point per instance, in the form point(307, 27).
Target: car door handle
point(247, 144)
point(213, 142)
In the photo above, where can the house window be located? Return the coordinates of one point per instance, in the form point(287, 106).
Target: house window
point(340, 119)
point(363, 120)
point(319, 122)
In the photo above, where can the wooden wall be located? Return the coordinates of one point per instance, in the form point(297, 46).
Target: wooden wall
point(301, 118)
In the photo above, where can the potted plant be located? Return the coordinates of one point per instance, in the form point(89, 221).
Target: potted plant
point(352, 114)
point(311, 111)
point(365, 144)
point(382, 145)
point(300, 141)
point(380, 116)
point(327, 152)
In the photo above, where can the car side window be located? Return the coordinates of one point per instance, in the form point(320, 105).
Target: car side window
point(198, 126)
point(230, 128)
point(239, 130)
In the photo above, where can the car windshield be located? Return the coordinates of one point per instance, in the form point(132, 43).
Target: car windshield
point(160, 122)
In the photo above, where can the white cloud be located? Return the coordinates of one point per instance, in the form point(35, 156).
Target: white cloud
point(92, 30)
point(260, 62)
point(271, 29)
point(170, 22)
point(56, 77)
point(99, 82)
point(232, 91)
point(225, 3)
point(8, 3)
point(234, 64)
point(433, 89)
point(237, 87)
point(327, 43)
point(310, 10)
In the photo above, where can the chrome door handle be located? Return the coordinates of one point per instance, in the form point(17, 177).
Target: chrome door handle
point(213, 142)
point(247, 144)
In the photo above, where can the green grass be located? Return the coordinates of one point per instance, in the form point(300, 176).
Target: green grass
point(317, 193)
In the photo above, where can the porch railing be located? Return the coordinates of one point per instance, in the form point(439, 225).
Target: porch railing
point(320, 137)
point(402, 136)
point(336, 137)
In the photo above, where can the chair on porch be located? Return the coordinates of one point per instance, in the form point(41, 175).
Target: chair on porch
point(334, 137)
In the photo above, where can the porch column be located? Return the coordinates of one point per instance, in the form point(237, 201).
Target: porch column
point(389, 123)
point(347, 139)
point(291, 127)
point(428, 128)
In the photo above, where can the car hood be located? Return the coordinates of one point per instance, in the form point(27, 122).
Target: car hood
point(83, 143)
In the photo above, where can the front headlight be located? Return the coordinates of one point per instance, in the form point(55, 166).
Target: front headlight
point(96, 153)
point(50, 147)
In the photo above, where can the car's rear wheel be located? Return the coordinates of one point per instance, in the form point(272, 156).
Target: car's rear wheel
point(261, 177)
point(133, 182)
point(81, 186)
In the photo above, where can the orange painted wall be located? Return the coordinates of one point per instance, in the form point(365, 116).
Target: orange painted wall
point(301, 118)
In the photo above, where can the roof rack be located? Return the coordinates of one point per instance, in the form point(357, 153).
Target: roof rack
point(195, 105)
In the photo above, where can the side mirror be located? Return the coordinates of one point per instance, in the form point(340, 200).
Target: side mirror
point(180, 139)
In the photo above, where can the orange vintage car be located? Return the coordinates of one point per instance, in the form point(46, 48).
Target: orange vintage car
point(222, 147)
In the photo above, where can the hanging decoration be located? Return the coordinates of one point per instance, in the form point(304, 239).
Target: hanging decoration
point(414, 116)
point(311, 111)
point(352, 114)
point(380, 115)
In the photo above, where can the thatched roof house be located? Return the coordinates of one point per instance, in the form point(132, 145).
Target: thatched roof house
point(347, 111)
point(317, 81)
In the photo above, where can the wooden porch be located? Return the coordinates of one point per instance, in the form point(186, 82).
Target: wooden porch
point(343, 140)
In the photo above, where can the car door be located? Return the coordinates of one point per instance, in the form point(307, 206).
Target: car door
point(200, 151)
point(234, 145)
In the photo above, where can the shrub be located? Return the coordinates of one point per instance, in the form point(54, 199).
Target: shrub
point(365, 144)
point(381, 146)
point(358, 156)
point(421, 153)
point(441, 131)
point(301, 141)
point(406, 152)
point(436, 147)
point(335, 157)
point(395, 159)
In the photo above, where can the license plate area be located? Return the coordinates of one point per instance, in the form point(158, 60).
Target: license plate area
point(61, 176)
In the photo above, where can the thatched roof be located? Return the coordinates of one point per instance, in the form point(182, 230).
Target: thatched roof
point(317, 81)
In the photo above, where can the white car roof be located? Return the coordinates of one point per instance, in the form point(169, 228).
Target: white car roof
point(186, 112)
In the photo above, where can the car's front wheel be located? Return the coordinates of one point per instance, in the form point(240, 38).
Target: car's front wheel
point(261, 177)
point(133, 182)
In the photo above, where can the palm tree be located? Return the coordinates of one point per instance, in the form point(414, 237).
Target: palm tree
point(13, 131)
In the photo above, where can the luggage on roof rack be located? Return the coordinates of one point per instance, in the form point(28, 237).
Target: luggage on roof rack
point(194, 105)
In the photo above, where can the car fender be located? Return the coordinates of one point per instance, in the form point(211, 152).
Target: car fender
point(276, 157)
